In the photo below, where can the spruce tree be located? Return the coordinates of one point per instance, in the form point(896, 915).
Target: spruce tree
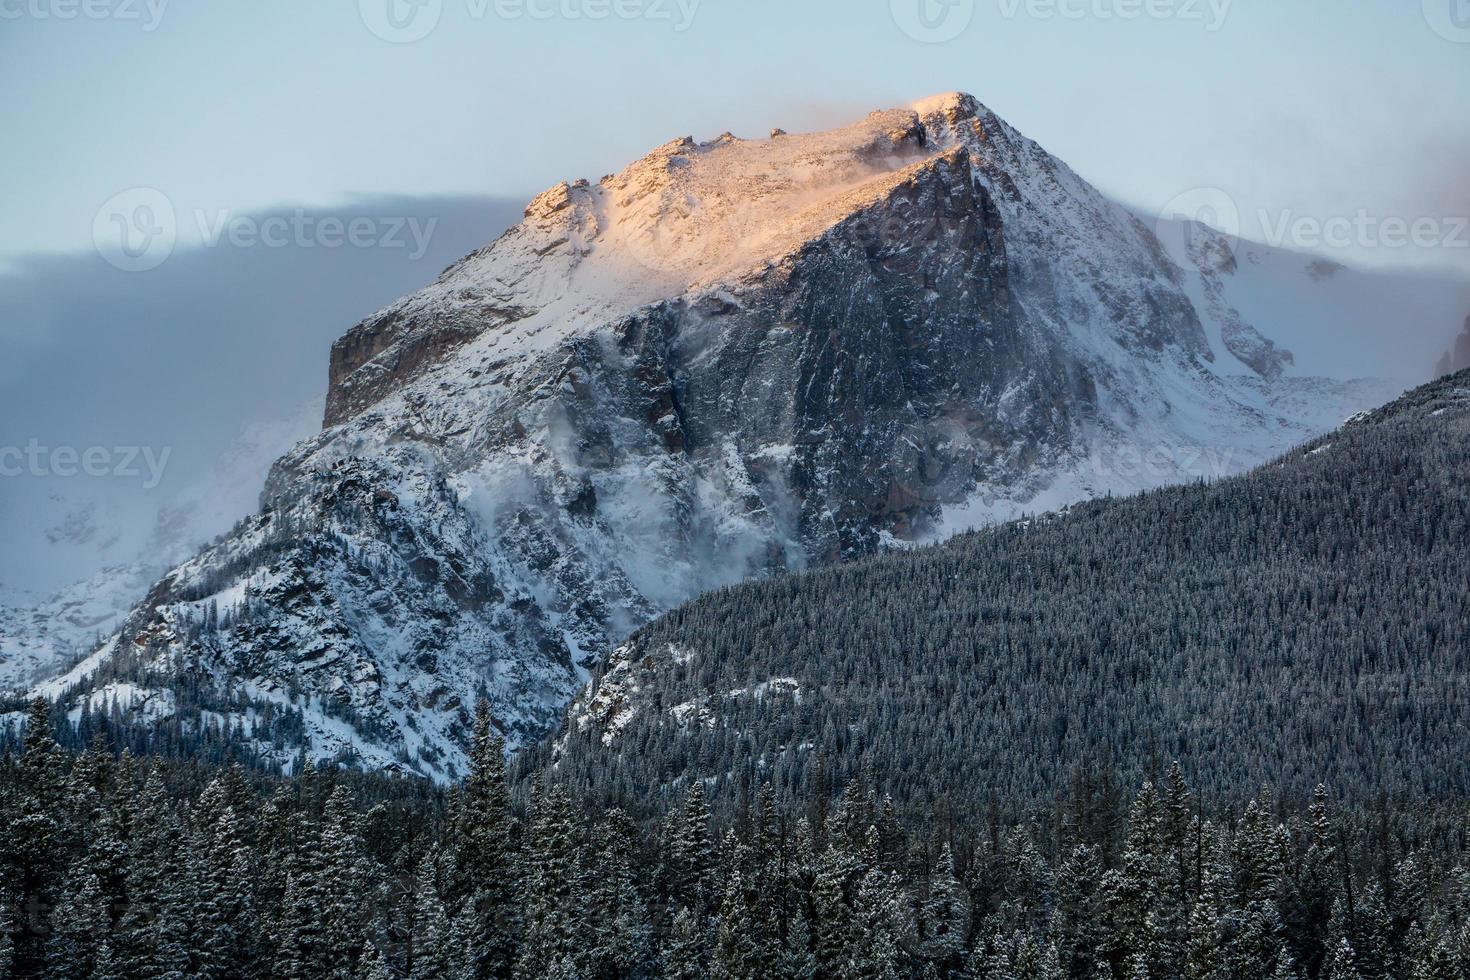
point(485, 853)
point(946, 914)
point(1341, 963)
point(429, 941)
point(80, 924)
point(551, 939)
point(300, 928)
point(685, 953)
point(616, 914)
point(691, 854)
point(7, 938)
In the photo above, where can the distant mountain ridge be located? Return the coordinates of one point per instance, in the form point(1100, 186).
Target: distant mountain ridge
point(731, 359)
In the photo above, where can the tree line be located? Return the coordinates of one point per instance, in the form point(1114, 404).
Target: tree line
point(116, 866)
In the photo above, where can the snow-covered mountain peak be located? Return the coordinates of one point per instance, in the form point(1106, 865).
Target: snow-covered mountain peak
point(953, 106)
point(730, 358)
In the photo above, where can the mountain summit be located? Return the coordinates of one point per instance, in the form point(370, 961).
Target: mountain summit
point(732, 358)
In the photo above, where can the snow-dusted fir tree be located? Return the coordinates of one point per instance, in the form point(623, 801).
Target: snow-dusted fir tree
point(691, 853)
point(551, 939)
point(685, 954)
point(486, 856)
point(430, 947)
point(1341, 963)
point(79, 926)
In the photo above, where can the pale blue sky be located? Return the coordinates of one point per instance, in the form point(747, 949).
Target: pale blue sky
point(1309, 107)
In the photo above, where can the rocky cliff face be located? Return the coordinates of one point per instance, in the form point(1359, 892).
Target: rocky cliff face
point(732, 358)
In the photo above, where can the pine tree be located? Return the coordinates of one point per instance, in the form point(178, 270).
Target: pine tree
point(1139, 896)
point(1439, 961)
point(946, 914)
point(737, 943)
point(7, 938)
point(37, 839)
point(1255, 945)
point(1257, 857)
point(164, 881)
point(1307, 913)
point(685, 956)
point(1204, 957)
point(300, 928)
point(79, 926)
point(1050, 966)
point(550, 939)
point(1080, 920)
point(1178, 840)
point(616, 914)
point(1341, 964)
point(344, 881)
point(995, 960)
point(797, 960)
point(691, 855)
point(430, 939)
point(835, 926)
point(1285, 970)
point(1372, 939)
point(226, 901)
point(485, 853)
point(373, 965)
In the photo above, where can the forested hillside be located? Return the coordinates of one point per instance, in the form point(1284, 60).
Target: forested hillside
point(114, 867)
point(1308, 621)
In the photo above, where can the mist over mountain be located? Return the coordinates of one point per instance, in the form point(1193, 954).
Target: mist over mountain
point(192, 377)
point(184, 357)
